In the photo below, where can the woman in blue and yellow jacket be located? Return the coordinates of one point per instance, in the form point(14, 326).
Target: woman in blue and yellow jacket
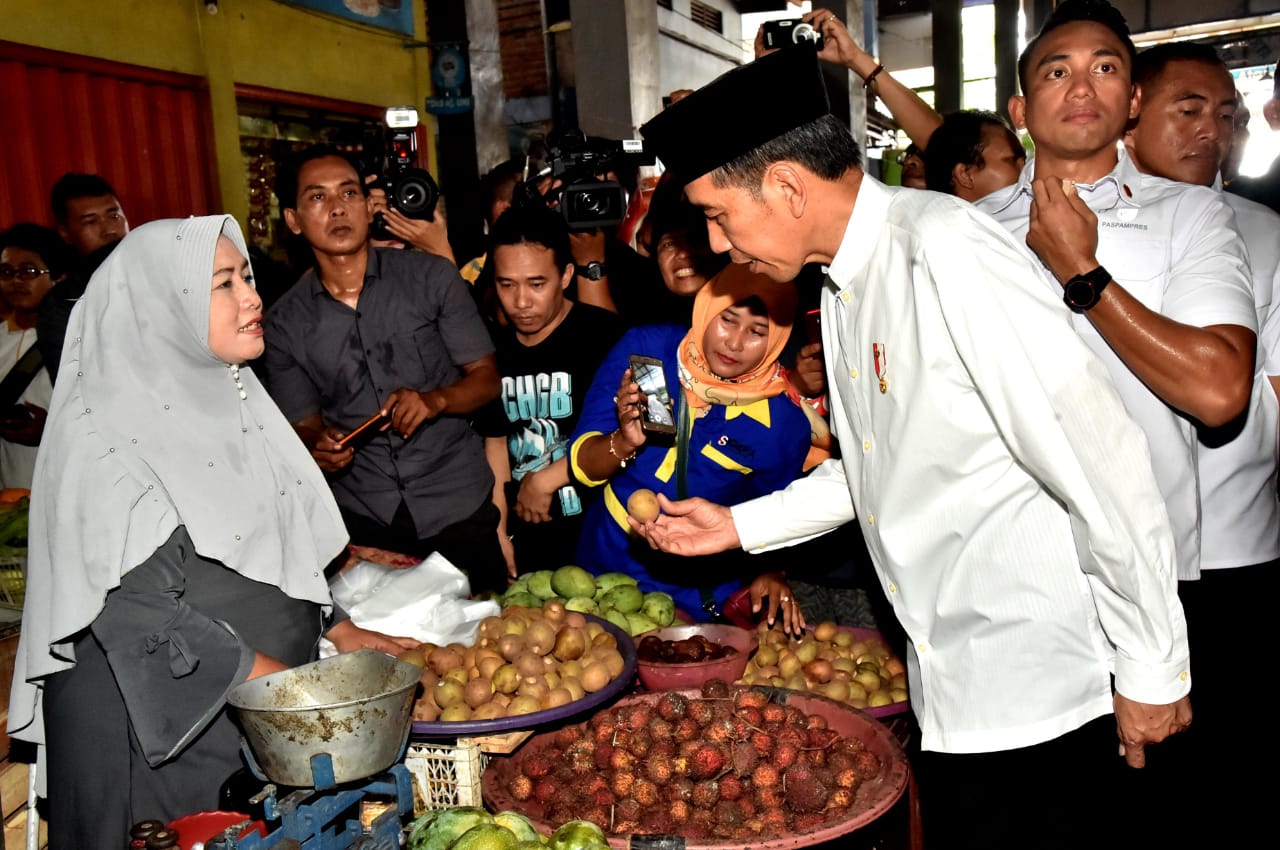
point(738, 436)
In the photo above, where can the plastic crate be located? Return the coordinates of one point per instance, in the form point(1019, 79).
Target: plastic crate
point(13, 580)
point(447, 773)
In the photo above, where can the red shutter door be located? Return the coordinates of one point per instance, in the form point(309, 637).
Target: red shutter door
point(147, 132)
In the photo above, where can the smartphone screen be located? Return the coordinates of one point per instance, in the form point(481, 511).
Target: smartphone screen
point(657, 413)
point(372, 421)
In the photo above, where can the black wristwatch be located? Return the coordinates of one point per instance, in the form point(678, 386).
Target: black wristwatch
point(1083, 291)
point(592, 271)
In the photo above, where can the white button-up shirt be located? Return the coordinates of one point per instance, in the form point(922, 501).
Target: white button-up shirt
point(1006, 498)
point(1174, 248)
point(1239, 510)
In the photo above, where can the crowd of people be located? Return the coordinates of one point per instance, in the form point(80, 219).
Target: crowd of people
point(1040, 413)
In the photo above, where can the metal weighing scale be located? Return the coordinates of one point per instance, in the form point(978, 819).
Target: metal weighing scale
point(325, 817)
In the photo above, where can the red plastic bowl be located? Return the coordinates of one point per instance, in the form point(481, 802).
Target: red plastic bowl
point(664, 676)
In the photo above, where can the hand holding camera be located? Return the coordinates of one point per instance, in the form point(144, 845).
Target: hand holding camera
point(408, 190)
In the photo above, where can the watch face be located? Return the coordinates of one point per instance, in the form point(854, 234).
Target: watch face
point(593, 271)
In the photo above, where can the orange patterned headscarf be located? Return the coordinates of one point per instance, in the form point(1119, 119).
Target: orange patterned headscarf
point(732, 286)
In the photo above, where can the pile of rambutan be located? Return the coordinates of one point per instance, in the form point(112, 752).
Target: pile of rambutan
point(732, 765)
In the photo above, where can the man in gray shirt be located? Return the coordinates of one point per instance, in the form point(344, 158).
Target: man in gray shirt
point(382, 331)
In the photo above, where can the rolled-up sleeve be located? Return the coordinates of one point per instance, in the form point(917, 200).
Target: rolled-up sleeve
point(173, 665)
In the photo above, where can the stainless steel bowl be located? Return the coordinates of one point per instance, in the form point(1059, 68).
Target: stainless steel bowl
point(355, 707)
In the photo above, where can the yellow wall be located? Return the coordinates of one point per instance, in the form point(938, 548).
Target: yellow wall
point(253, 42)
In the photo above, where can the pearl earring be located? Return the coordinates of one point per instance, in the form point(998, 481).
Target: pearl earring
point(235, 376)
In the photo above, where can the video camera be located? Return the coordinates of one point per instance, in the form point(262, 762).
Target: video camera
point(411, 191)
point(573, 168)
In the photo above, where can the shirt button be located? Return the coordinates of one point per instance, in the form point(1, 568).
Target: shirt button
point(1183, 676)
point(844, 296)
point(893, 588)
point(866, 445)
point(920, 647)
point(871, 519)
point(853, 373)
point(395, 455)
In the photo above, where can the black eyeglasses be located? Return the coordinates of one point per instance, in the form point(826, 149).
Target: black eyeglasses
point(24, 273)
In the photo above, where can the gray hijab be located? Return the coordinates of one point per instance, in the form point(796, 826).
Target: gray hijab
point(147, 431)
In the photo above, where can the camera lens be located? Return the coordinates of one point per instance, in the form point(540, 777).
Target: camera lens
point(803, 32)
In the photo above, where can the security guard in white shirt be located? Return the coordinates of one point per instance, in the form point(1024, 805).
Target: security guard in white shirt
point(1184, 133)
point(1006, 497)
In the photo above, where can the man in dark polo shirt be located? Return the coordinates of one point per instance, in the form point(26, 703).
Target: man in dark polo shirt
point(375, 330)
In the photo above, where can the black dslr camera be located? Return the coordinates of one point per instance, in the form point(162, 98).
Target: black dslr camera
point(571, 174)
point(411, 191)
point(791, 32)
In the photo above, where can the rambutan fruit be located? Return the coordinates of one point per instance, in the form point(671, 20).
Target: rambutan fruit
point(640, 743)
point(621, 782)
point(659, 768)
point(792, 735)
point(626, 809)
point(762, 743)
point(815, 721)
point(567, 735)
point(822, 737)
point(636, 716)
point(603, 755)
point(728, 813)
point(687, 729)
point(731, 788)
point(680, 790)
point(808, 822)
point(701, 711)
point(750, 698)
point(773, 712)
point(721, 731)
point(765, 775)
point(840, 799)
point(816, 757)
point(795, 717)
point(663, 748)
point(622, 760)
point(672, 706)
point(743, 757)
point(521, 787)
point(661, 730)
point(803, 791)
point(839, 760)
point(715, 688)
point(656, 822)
point(769, 798)
point(750, 715)
point(544, 790)
point(773, 821)
point(536, 765)
point(679, 811)
point(601, 797)
point(706, 794)
point(707, 761)
point(867, 764)
point(785, 754)
point(645, 792)
point(848, 778)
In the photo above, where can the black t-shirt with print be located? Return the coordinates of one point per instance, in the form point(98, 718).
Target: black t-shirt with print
point(543, 387)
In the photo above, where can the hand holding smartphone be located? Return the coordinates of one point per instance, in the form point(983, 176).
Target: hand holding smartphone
point(657, 414)
point(369, 423)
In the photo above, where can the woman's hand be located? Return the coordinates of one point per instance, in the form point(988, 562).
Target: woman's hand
point(775, 587)
point(810, 375)
point(348, 637)
point(630, 402)
point(533, 503)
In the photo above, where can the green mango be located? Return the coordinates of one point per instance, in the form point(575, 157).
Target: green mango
point(638, 624)
point(627, 598)
point(608, 581)
point(659, 607)
point(486, 836)
point(519, 825)
point(521, 597)
point(583, 604)
point(619, 619)
point(570, 581)
point(540, 584)
point(575, 835)
point(449, 825)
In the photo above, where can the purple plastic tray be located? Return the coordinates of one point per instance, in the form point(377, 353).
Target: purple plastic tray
point(436, 729)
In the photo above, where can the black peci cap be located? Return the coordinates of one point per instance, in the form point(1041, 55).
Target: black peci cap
point(738, 112)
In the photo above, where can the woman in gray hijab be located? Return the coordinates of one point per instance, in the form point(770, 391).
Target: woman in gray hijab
point(178, 538)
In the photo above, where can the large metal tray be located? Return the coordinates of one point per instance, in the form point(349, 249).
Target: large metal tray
point(874, 797)
point(422, 729)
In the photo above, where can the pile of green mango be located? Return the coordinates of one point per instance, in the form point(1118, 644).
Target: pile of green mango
point(612, 596)
point(472, 828)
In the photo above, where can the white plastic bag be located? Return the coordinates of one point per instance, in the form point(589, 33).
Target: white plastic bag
point(427, 602)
